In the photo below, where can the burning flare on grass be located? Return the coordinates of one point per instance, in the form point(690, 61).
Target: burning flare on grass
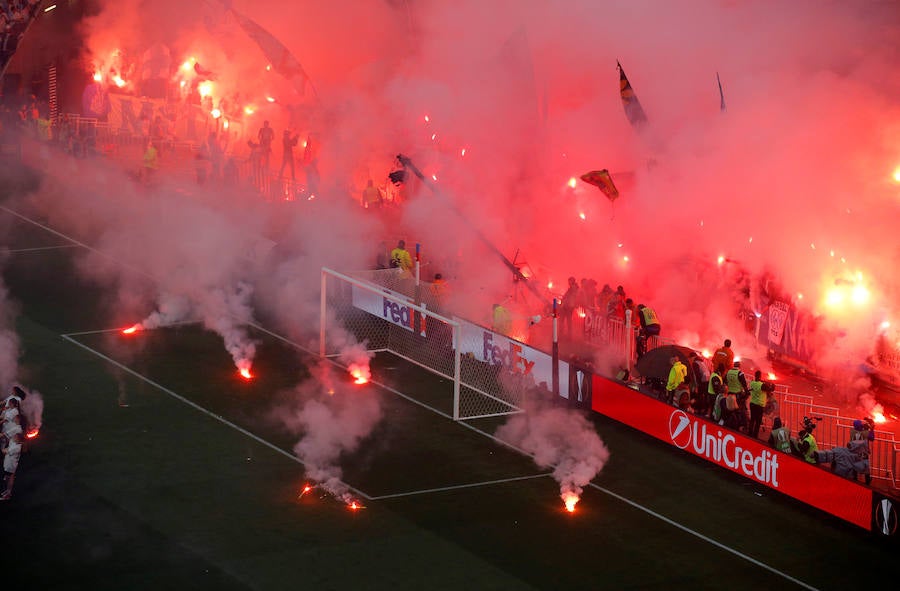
point(133, 328)
point(570, 499)
point(245, 373)
point(32, 433)
point(307, 488)
point(355, 505)
point(361, 373)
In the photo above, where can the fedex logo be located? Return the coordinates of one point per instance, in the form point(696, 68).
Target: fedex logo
point(401, 315)
point(397, 314)
point(510, 358)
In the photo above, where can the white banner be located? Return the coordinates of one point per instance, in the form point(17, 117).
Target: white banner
point(778, 314)
point(387, 308)
point(516, 357)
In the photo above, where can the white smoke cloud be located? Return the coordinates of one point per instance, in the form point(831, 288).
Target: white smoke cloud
point(561, 438)
point(333, 417)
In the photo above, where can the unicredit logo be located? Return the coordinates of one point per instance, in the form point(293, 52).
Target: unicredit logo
point(680, 429)
point(722, 448)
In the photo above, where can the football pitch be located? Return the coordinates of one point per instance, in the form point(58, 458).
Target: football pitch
point(157, 467)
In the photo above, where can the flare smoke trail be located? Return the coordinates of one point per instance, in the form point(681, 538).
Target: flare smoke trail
point(333, 417)
point(33, 407)
point(560, 438)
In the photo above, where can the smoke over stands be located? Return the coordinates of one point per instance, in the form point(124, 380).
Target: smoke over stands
point(502, 103)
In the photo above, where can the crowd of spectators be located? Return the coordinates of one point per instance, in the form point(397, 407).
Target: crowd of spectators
point(15, 16)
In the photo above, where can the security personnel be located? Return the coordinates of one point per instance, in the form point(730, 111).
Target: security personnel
point(736, 384)
point(780, 437)
point(714, 393)
point(807, 447)
point(400, 257)
point(649, 327)
point(675, 385)
point(758, 397)
point(502, 320)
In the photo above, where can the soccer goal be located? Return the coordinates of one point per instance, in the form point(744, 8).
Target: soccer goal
point(390, 322)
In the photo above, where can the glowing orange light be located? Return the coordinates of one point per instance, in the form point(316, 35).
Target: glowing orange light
point(706, 353)
point(187, 65)
point(799, 296)
point(268, 67)
point(118, 81)
point(216, 113)
point(572, 182)
point(225, 124)
point(736, 358)
point(462, 152)
point(772, 376)
point(582, 216)
point(434, 177)
point(354, 506)
point(245, 373)
point(98, 77)
point(550, 285)
point(306, 488)
point(896, 175)
point(132, 329)
point(183, 83)
point(205, 88)
point(720, 260)
point(32, 433)
point(433, 136)
point(879, 417)
point(581, 313)
point(427, 119)
point(249, 110)
point(360, 373)
point(271, 99)
point(625, 259)
point(570, 499)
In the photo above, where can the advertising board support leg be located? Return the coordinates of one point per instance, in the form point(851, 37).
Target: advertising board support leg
point(555, 351)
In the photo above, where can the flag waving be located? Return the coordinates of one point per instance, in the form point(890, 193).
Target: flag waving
point(282, 60)
point(633, 109)
point(602, 180)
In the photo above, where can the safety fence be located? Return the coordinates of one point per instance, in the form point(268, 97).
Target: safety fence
point(833, 430)
point(87, 136)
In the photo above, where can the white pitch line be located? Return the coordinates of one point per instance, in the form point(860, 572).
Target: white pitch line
point(458, 487)
point(707, 539)
point(296, 459)
point(37, 248)
point(205, 411)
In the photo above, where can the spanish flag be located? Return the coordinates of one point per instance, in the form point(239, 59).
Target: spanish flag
point(633, 109)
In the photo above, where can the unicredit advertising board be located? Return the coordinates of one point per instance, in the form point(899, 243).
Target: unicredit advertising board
point(734, 451)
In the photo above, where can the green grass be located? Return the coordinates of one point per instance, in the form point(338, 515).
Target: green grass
point(160, 495)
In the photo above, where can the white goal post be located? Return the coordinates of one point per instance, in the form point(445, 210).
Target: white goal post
point(488, 374)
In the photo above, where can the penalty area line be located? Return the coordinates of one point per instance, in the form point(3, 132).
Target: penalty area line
point(458, 487)
point(203, 410)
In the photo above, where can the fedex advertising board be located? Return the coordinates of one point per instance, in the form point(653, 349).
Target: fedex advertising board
point(735, 451)
point(387, 308)
point(496, 349)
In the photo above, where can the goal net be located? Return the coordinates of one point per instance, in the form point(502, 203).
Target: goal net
point(485, 374)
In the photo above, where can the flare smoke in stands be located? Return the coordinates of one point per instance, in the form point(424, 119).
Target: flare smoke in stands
point(530, 91)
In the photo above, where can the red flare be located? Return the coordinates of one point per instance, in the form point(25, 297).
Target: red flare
point(879, 417)
point(245, 373)
point(570, 499)
point(32, 433)
point(132, 329)
point(360, 373)
point(355, 506)
point(306, 488)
